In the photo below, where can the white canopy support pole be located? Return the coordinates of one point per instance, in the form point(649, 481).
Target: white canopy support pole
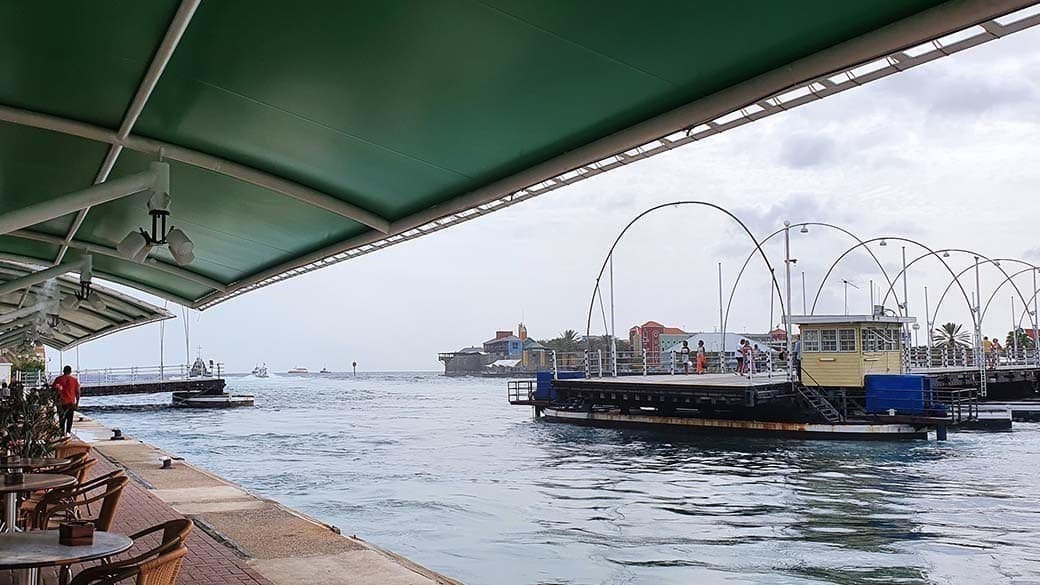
point(157, 177)
point(34, 278)
point(174, 32)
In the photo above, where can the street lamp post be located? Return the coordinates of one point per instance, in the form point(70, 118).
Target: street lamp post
point(978, 332)
point(1014, 328)
point(787, 315)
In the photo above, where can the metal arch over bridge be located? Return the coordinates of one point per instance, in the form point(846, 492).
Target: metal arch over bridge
point(298, 139)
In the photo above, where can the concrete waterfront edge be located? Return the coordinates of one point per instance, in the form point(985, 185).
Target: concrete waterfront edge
point(305, 548)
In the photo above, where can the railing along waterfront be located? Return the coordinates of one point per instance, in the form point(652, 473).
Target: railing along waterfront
point(128, 375)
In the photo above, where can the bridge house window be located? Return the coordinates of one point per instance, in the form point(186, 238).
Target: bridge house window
point(811, 340)
point(847, 340)
point(829, 340)
point(881, 339)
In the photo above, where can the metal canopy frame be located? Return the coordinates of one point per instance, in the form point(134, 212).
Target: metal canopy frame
point(86, 323)
point(943, 30)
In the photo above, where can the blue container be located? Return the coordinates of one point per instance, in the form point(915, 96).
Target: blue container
point(905, 394)
point(544, 384)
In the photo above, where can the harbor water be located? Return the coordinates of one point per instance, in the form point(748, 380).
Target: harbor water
point(445, 472)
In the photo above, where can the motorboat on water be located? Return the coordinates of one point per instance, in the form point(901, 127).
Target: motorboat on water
point(325, 371)
point(200, 369)
point(298, 370)
point(261, 371)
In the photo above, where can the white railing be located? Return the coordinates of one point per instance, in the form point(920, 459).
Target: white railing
point(601, 363)
point(130, 375)
point(961, 356)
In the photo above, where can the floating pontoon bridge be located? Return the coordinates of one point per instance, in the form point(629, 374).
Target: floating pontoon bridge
point(301, 136)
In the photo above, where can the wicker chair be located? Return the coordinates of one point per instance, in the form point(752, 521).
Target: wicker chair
point(64, 448)
point(65, 504)
point(78, 468)
point(161, 570)
point(158, 565)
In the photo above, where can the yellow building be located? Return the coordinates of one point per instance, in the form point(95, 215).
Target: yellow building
point(838, 350)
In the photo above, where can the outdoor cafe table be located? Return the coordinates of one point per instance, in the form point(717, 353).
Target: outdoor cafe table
point(27, 463)
point(30, 482)
point(39, 548)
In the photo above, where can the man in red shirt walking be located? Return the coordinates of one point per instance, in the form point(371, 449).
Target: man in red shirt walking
point(68, 398)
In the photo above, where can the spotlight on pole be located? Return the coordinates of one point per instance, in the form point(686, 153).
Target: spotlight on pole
point(884, 243)
point(804, 230)
point(133, 244)
point(181, 246)
point(139, 242)
point(96, 302)
point(69, 303)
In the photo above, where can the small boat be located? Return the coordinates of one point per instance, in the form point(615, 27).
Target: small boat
point(199, 369)
point(260, 371)
point(325, 371)
point(298, 370)
point(210, 400)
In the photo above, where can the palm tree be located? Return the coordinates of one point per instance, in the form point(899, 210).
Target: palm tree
point(569, 340)
point(950, 335)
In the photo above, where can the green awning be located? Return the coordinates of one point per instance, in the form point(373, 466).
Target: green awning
point(303, 135)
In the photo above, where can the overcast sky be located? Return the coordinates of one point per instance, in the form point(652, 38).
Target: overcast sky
point(945, 154)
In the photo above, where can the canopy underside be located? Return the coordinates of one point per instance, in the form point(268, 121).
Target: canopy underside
point(301, 138)
point(33, 313)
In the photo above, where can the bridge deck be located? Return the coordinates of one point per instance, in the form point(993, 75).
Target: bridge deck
point(729, 380)
point(685, 389)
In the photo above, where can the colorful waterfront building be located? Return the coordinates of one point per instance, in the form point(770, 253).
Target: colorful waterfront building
point(652, 337)
point(504, 344)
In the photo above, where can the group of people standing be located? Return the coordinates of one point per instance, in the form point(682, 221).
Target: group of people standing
point(701, 357)
point(747, 358)
point(991, 349)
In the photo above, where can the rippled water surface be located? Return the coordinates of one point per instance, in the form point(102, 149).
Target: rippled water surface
point(445, 472)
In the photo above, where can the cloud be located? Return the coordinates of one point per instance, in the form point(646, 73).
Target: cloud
point(804, 151)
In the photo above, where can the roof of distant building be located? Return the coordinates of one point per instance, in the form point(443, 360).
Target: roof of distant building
point(501, 339)
point(503, 364)
point(532, 344)
point(836, 319)
point(471, 350)
point(673, 331)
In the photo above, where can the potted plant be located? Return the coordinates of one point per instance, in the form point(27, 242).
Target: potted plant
point(28, 421)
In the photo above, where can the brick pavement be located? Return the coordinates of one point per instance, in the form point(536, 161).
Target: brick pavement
point(209, 562)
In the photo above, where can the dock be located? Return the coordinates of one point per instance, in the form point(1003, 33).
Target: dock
point(240, 537)
point(206, 385)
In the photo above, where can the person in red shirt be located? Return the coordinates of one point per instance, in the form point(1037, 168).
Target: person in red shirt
point(68, 398)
